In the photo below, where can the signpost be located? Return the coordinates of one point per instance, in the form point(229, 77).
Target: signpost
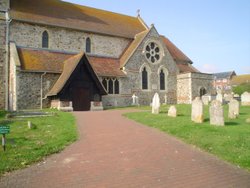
point(4, 129)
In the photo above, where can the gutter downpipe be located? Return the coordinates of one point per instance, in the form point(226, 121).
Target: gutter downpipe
point(8, 21)
point(41, 91)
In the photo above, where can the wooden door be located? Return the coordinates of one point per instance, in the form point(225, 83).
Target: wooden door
point(81, 99)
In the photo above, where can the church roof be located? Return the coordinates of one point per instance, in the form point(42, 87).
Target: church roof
point(43, 60)
point(175, 52)
point(69, 66)
point(224, 75)
point(186, 67)
point(73, 16)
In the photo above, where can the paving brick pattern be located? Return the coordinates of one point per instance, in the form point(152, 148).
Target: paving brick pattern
point(116, 152)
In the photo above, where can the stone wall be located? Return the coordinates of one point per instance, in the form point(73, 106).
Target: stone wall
point(184, 88)
point(132, 84)
point(29, 89)
point(4, 5)
point(189, 85)
point(2, 59)
point(30, 35)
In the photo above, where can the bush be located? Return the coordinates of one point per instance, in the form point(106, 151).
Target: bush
point(241, 88)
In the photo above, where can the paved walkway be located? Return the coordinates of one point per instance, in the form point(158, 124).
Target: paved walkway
point(116, 152)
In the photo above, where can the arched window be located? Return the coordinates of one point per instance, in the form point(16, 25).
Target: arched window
point(144, 78)
point(111, 91)
point(202, 91)
point(162, 80)
point(45, 40)
point(116, 86)
point(105, 84)
point(88, 45)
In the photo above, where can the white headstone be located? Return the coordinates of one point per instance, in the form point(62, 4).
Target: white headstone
point(156, 104)
point(219, 97)
point(216, 113)
point(205, 99)
point(133, 99)
point(245, 99)
point(172, 112)
point(233, 109)
point(197, 110)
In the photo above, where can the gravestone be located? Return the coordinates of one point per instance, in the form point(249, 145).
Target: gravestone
point(205, 99)
point(172, 111)
point(156, 104)
point(165, 99)
point(245, 99)
point(228, 97)
point(216, 113)
point(197, 110)
point(233, 109)
point(219, 97)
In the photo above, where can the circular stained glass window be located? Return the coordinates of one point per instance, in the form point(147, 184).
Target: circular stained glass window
point(152, 52)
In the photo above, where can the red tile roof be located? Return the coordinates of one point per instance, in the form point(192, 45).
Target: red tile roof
point(41, 60)
point(73, 16)
point(175, 52)
point(186, 67)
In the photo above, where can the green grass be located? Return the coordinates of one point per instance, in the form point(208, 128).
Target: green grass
point(230, 143)
point(26, 146)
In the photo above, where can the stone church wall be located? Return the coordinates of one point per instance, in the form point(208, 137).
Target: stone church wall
point(30, 35)
point(133, 84)
point(2, 60)
point(200, 80)
point(29, 89)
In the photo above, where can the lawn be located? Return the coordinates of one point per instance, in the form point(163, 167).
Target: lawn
point(25, 146)
point(230, 143)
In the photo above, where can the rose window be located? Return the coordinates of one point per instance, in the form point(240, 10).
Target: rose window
point(153, 52)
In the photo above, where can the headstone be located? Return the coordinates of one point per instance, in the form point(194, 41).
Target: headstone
point(156, 104)
point(219, 97)
point(248, 120)
point(233, 109)
point(245, 99)
point(135, 101)
point(29, 125)
point(205, 99)
point(216, 113)
point(197, 110)
point(228, 97)
point(165, 99)
point(172, 111)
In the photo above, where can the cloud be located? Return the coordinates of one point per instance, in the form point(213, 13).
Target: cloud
point(209, 68)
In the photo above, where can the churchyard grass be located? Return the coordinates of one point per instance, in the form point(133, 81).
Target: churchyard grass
point(47, 136)
point(230, 143)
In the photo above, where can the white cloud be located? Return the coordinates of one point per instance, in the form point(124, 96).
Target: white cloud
point(209, 68)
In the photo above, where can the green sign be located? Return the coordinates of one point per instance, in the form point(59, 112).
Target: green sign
point(4, 129)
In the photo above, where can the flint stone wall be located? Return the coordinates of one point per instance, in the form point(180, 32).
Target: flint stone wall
point(30, 35)
point(2, 59)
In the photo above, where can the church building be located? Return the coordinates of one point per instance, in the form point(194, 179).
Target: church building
point(58, 53)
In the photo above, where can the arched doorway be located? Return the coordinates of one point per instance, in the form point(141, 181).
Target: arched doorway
point(203, 91)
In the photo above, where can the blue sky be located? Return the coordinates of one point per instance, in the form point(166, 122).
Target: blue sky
point(215, 34)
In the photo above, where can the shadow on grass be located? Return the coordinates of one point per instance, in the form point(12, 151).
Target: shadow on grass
point(230, 123)
point(206, 120)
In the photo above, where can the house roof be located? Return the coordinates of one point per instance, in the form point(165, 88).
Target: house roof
point(43, 60)
point(224, 75)
point(240, 79)
point(73, 16)
point(69, 67)
point(175, 52)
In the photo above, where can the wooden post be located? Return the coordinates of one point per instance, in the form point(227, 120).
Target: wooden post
point(3, 142)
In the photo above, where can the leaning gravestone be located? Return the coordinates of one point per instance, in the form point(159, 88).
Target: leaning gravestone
point(245, 99)
point(156, 104)
point(197, 110)
point(216, 113)
point(233, 109)
point(172, 112)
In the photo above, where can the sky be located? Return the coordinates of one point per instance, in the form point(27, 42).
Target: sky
point(214, 34)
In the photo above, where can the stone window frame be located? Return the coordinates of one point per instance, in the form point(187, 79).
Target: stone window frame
point(149, 71)
point(107, 79)
point(43, 38)
point(159, 44)
point(88, 45)
point(166, 72)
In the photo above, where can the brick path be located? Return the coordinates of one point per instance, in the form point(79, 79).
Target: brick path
point(116, 152)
